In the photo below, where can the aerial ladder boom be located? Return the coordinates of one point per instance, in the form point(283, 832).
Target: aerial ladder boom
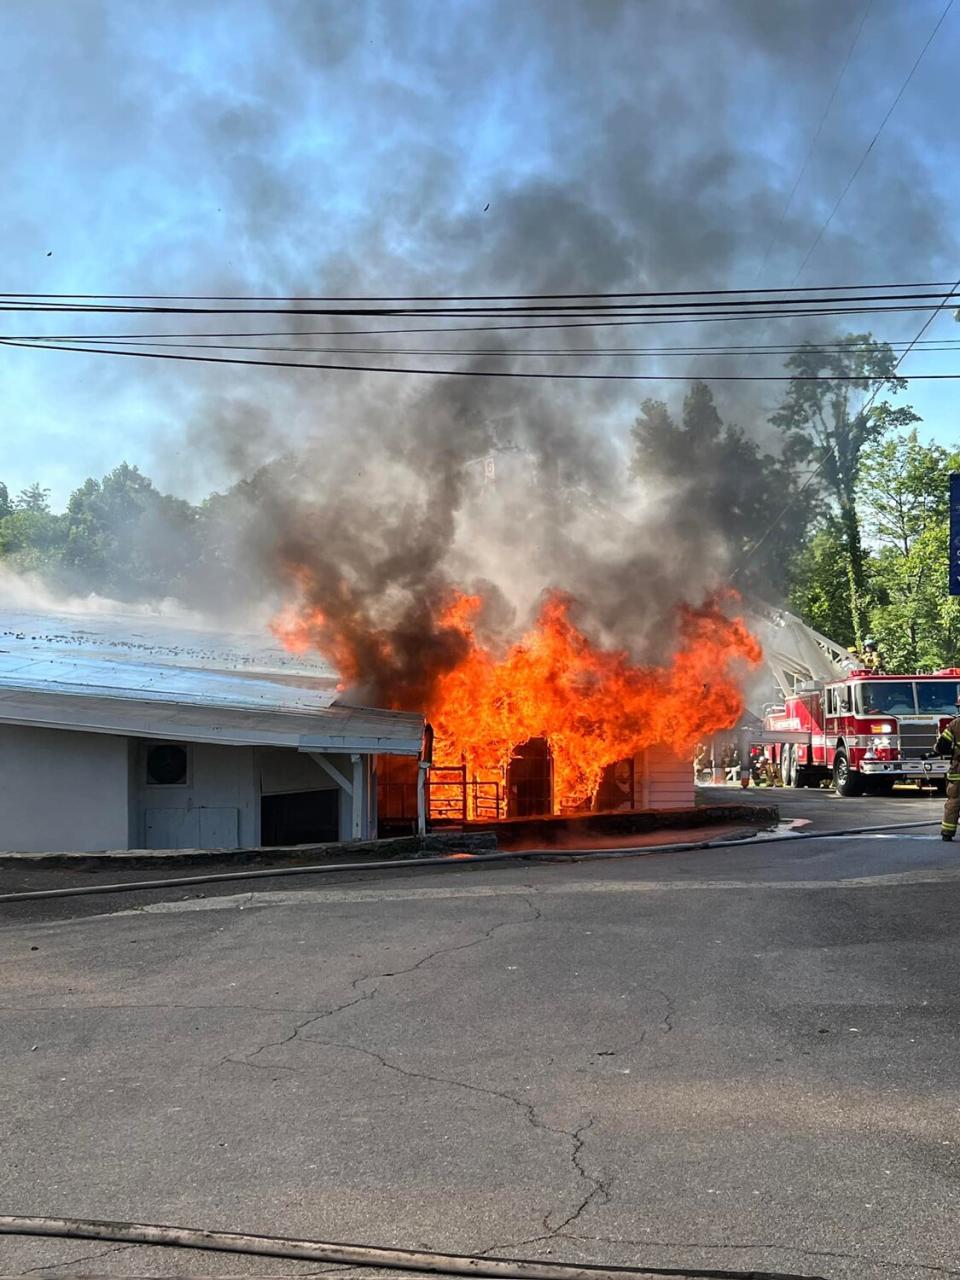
point(795, 653)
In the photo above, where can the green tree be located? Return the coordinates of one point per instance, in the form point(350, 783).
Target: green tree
point(31, 536)
point(828, 424)
point(34, 498)
point(903, 499)
point(818, 593)
point(728, 487)
point(126, 539)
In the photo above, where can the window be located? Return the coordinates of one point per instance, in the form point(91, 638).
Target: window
point(888, 697)
point(938, 697)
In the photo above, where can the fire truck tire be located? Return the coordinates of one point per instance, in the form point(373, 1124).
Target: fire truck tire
point(845, 781)
point(791, 771)
point(803, 777)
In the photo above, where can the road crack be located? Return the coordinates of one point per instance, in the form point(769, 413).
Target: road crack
point(761, 1244)
point(595, 1187)
point(315, 1016)
point(86, 1257)
point(666, 1022)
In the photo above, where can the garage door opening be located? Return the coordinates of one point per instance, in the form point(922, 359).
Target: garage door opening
point(300, 817)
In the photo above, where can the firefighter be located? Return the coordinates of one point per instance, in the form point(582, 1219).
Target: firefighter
point(948, 744)
point(872, 657)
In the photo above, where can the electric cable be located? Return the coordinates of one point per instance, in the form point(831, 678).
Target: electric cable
point(756, 348)
point(511, 353)
point(556, 375)
point(606, 323)
point(468, 297)
point(554, 310)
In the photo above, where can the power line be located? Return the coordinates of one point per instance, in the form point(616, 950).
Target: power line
point(762, 306)
point(552, 375)
point(592, 324)
point(816, 138)
point(169, 341)
point(753, 348)
point(468, 297)
point(873, 140)
point(767, 317)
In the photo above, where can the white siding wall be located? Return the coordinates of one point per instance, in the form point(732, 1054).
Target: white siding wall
point(662, 780)
point(62, 791)
point(67, 791)
point(219, 807)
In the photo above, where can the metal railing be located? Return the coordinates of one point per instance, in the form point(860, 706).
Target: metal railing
point(453, 797)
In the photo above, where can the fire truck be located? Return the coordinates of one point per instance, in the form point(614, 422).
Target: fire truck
point(862, 730)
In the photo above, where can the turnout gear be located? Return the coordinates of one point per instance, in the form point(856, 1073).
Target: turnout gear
point(948, 744)
point(872, 657)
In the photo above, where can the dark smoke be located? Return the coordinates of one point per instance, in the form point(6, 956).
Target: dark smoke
point(550, 146)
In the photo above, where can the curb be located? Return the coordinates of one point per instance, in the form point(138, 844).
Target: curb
point(400, 847)
point(475, 839)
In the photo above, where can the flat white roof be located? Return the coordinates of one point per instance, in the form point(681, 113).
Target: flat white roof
point(155, 677)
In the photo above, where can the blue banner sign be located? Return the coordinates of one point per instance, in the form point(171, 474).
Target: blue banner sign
point(955, 534)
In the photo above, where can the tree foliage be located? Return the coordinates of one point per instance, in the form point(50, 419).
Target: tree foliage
point(904, 505)
point(126, 535)
point(725, 483)
point(819, 590)
point(828, 424)
point(119, 536)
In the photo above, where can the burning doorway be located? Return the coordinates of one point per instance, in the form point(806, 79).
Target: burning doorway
point(616, 789)
point(530, 780)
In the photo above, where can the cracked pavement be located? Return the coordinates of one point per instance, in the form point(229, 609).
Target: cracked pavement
point(741, 1059)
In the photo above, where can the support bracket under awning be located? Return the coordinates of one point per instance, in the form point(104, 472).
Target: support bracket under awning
point(332, 771)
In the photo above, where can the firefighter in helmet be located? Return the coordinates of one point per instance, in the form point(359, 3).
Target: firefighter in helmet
point(948, 744)
point(872, 657)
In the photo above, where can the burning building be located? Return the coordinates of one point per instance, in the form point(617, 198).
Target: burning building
point(553, 723)
point(589, 692)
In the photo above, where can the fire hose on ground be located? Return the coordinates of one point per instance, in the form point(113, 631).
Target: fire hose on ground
point(461, 860)
point(359, 1255)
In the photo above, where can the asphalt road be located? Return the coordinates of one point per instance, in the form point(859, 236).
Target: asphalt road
point(742, 1059)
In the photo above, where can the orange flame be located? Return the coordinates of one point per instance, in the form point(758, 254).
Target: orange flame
point(594, 706)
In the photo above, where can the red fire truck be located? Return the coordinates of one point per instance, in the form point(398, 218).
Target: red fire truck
point(864, 731)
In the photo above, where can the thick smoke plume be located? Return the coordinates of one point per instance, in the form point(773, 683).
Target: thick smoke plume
point(547, 147)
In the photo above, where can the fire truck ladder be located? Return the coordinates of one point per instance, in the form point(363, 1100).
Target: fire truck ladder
point(794, 652)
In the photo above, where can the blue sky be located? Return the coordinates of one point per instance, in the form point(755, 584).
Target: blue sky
point(287, 147)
